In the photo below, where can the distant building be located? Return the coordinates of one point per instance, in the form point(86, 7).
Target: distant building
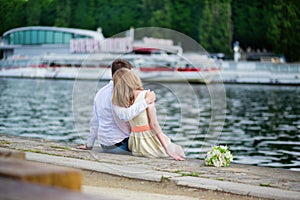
point(37, 40)
point(45, 40)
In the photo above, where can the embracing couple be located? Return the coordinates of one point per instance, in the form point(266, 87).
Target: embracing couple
point(124, 118)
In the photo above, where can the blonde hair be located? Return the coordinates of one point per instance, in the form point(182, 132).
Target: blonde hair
point(125, 83)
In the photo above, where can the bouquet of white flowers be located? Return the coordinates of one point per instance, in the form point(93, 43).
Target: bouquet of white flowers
point(218, 156)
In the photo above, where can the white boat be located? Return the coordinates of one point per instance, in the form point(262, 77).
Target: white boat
point(151, 68)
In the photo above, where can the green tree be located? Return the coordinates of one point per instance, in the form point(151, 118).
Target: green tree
point(270, 25)
point(215, 28)
point(49, 12)
point(259, 24)
point(33, 12)
point(12, 14)
point(284, 29)
point(63, 13)
point(196, 13)
point(82, 15)
point(118, 15)
point(250, 20)
point(157, 13)
point(181, 15)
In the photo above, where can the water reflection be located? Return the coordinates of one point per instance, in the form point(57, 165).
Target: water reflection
point(261, 127)
point(36, 108)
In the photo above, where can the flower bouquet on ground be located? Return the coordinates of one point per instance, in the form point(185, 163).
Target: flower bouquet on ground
point(218, 156)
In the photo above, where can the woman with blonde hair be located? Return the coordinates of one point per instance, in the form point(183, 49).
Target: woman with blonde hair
point(146, 138)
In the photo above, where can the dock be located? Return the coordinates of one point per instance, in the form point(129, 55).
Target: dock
point(191, 176)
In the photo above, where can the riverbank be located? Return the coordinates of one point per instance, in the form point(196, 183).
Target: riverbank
point(242, 72)
point(175, 178)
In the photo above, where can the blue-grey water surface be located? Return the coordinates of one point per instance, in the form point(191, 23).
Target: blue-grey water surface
point(261, 126)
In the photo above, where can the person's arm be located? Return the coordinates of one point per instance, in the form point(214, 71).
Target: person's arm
point(126, 114)
point(94, 125)
point(151, 111)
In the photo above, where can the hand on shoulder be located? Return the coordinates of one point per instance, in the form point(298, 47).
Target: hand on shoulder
point(150, 97)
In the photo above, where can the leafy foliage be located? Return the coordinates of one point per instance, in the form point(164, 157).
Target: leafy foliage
point(215, 32)
point(215, 24)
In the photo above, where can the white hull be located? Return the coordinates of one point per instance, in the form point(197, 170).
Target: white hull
point(105, 74)
point(231, 72)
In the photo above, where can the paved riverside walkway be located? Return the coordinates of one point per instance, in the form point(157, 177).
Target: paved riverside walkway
point(239, 179)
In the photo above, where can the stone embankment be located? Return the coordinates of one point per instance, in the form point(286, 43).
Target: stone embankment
point(191, 176)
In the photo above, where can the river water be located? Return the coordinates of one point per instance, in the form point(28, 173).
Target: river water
point(261, 125)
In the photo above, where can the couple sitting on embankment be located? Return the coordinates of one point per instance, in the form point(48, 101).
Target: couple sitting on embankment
point(124, 118)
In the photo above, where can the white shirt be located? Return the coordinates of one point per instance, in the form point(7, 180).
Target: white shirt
point(106, 124)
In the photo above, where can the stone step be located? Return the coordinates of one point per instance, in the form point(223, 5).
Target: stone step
point(9, 153)
point(14, 189)
point(41, 173)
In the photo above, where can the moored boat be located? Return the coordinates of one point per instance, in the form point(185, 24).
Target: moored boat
point(156, 68)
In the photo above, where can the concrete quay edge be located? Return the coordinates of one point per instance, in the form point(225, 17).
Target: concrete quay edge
point(236, 188)
point(157, 176)
point(108, 168)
